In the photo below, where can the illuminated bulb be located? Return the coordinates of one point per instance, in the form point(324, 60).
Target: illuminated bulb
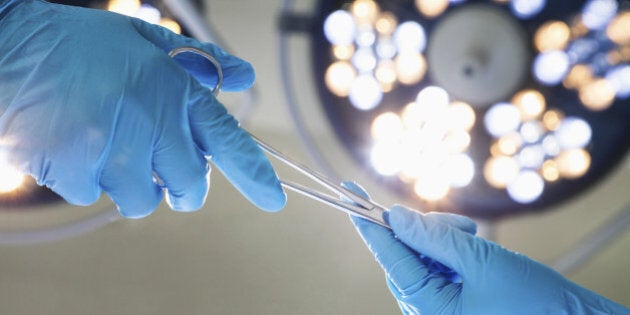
point(386, 23)
point(365, 11)
point(431, 8)
point(432, 190)
point(457, 141)
point(526, 187)
point(415, 115)
point(573, 133)
point(385, 157)
point(597, 13)
point(365, 92)
point(339, 78)
point(532, 131)
point(579, 75)
point(553, 35)
point(618, 28)
point(149, 13)
point(387, 126)
point(531, 156)
point(364, 60)
point(573, 163)
point(500, 171)
point(501, 119)
point(531, 103)
point(597, 95)
point(619, 80)
point(433, 96)
point(126, 7)
point(343, 52)
point(339, 28)
point(385, 48)
point(551, 119)
point(551, 145)
point(525, 9)
point(509, 144)
point(366, 37)
point(10, 179)
point(410, 67)
point(386, 73)
point(171, 25)
point(551, 67)
point(460, 170)
point(461, 116)
point(410, 37)
point(550, 171)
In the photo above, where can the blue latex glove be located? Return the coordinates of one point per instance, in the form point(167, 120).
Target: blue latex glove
point(492, 280)
point(90, 102)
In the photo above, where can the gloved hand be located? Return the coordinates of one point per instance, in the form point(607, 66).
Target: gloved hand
point(91, 102)
point(492, 279)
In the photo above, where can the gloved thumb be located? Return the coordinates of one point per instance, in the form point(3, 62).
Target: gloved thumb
point(238, 74)
point(453, 245)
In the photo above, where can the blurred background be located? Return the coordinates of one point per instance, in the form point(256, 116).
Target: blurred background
point(231, 258)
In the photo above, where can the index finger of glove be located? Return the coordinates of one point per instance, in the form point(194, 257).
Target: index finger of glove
point(233, 151)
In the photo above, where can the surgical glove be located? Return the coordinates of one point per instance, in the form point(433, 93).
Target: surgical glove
point(492, 280)
point(91, 102)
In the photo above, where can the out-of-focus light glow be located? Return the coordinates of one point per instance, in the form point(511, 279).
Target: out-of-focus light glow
point(364, 60)
point(365, 92)
point(171, 25)
point(339, 28)
point(501, 119)
point(500, 171)
point(550, 171)
point(596, 14)
point(149, 13)
point(460, 170)
point(385, 73)
point(432, 8)
point(573, 163)
point(385, 157)
point(525, 9)
point(10, 178)
point(386, 23)
point(573, 133)
point(618, 28)
point(410, 67)
point(387, 126)
point(461, 116)
point(343, 52)
point(509, 144)
point(432, 190)
point(551, 145)
point(366, 37)
point(457, 141)
point(532, 131)
point(597, 95)
point(552, 119)
point(339, 78)
point(531, 103)
point(385, 48)
point(410, 37)
point(526, 188)
point(365, 11)
point(531, 156)
point(579, 75)
point(551, 67)
point(552, 35)
point(433, 96)
point(126, 7)
point(619, 80)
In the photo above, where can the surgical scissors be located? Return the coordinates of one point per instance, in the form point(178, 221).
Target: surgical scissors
point(356, 204)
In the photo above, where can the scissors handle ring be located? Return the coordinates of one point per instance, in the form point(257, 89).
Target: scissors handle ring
point(207, 56)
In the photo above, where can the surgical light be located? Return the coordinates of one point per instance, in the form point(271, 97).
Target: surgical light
point(10, 178)
point(488, 107)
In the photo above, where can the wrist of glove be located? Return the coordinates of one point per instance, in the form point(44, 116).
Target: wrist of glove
point(489, 278)
point(91, 102)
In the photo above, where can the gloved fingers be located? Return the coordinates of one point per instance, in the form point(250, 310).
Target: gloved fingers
point(458, 221)
point(238, 74)
point(182, 168)
point(233, 151)
point(128, 180)
point(402, 265)
point(355, 188)
point(434, 238)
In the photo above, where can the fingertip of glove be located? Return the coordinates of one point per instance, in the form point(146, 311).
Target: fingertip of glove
point(402, 219)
